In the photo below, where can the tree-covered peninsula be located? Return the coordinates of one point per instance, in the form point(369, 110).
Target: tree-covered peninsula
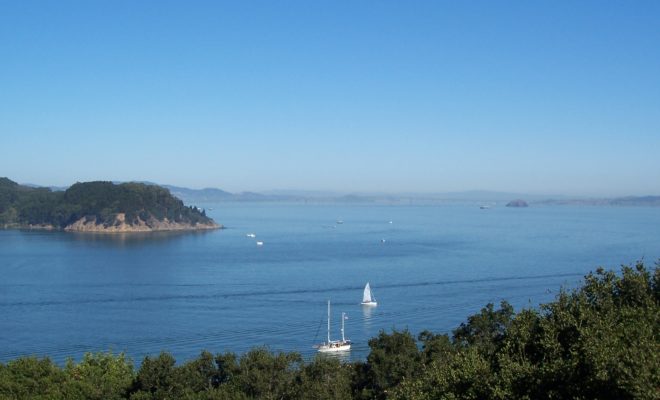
point(98, 207)
point(599, 341)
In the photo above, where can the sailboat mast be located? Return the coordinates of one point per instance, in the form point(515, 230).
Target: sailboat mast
point(342, 328)
point(328, 321)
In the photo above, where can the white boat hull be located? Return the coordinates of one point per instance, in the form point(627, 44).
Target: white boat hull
point(369, 303)
point(334, 347)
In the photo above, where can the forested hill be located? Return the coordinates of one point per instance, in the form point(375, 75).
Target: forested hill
point(98, 206)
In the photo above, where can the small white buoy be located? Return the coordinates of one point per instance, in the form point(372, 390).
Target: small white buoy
point(260, 243)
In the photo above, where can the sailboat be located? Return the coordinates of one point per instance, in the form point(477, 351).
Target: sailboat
point(332, 346)
point(368, 298)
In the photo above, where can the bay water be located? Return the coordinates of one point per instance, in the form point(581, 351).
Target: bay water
point(430, 267)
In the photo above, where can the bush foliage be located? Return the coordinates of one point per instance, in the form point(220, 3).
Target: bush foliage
point(599, 341)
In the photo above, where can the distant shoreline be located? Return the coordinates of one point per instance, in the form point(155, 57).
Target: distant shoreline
point(110, 230)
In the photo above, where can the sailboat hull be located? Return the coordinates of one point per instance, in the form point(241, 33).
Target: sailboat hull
point(335, 347)
point(369, 303)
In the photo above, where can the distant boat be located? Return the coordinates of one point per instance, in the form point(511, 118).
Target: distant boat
point(251, 235)
point(484, 207)
point(390, 222)
point(368, 298)
point(332, 346)
point(340, 221)
point(382, 240)
point(260, 243)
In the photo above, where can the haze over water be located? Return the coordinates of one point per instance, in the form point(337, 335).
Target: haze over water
point(63, 294)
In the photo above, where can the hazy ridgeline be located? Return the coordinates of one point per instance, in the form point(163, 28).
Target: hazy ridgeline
point(599, 341)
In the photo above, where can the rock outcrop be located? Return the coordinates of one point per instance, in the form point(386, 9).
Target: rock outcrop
point(120, 225)
point(517, 203)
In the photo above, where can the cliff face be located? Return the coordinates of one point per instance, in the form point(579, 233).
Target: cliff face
point(90, 224)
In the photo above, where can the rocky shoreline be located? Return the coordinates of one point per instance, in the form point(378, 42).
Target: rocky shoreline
point(119, 225)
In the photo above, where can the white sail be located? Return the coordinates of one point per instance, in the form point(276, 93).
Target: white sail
point(368, 298)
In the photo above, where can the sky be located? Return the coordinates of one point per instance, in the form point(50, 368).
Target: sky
point(544, 97)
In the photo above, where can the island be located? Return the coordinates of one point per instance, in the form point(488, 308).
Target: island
point(98, 207)
point(517, 203)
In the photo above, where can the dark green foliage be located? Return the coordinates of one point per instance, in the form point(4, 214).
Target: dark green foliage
point(325, 379)
point(200, 374)
point(97, 201)
point(99, 376)
point(32, 378)
point(156, 378)
point(264, 375)
point(393, 358)
point(26, 205)
point(435, 347)
point(485, 330)
point(600, 341)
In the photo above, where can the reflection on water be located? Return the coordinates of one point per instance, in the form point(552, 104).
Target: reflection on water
point(367, 322)
point(366, 313)
point(342, 356)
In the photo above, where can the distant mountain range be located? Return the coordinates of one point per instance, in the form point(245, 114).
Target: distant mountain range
point(209, 195)
point(653, 201)
point(481, 197)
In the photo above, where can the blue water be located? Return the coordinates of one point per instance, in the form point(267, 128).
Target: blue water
point(62, 294)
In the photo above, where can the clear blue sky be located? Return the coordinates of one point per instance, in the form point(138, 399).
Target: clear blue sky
point(526, 96)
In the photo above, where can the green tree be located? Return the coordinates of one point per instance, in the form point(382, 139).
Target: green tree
point(325, 378)
point(487, 329)
point(599, 341)
point(200, 374)
point(393, 358)
point(156, 379)
point(264, 375)
point(464, 375)
point(99, 376)
point(435, 347)
point(31, 378)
